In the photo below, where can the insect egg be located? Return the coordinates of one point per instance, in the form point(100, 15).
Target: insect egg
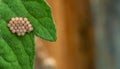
point(20, 26)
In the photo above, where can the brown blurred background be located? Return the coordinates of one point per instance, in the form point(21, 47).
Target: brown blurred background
point(74, 48)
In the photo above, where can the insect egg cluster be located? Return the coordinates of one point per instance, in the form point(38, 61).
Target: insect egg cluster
point(20, 26)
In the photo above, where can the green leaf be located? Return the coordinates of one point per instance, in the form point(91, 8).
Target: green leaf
point(19, 52)
point(22, 48)
point(43, 14)
point(39, 14)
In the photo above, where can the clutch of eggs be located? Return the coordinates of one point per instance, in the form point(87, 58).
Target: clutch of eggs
point(20, 26)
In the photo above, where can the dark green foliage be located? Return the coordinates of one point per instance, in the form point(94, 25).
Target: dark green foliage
point(17, 52)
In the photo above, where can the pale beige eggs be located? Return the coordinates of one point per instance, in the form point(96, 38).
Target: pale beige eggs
point(20, 26)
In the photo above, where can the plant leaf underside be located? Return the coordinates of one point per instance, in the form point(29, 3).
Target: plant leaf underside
point(17, 52)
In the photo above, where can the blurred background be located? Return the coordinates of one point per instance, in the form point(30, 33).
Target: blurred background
point(88, 36)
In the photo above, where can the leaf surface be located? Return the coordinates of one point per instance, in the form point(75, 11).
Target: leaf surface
point(18, 52)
